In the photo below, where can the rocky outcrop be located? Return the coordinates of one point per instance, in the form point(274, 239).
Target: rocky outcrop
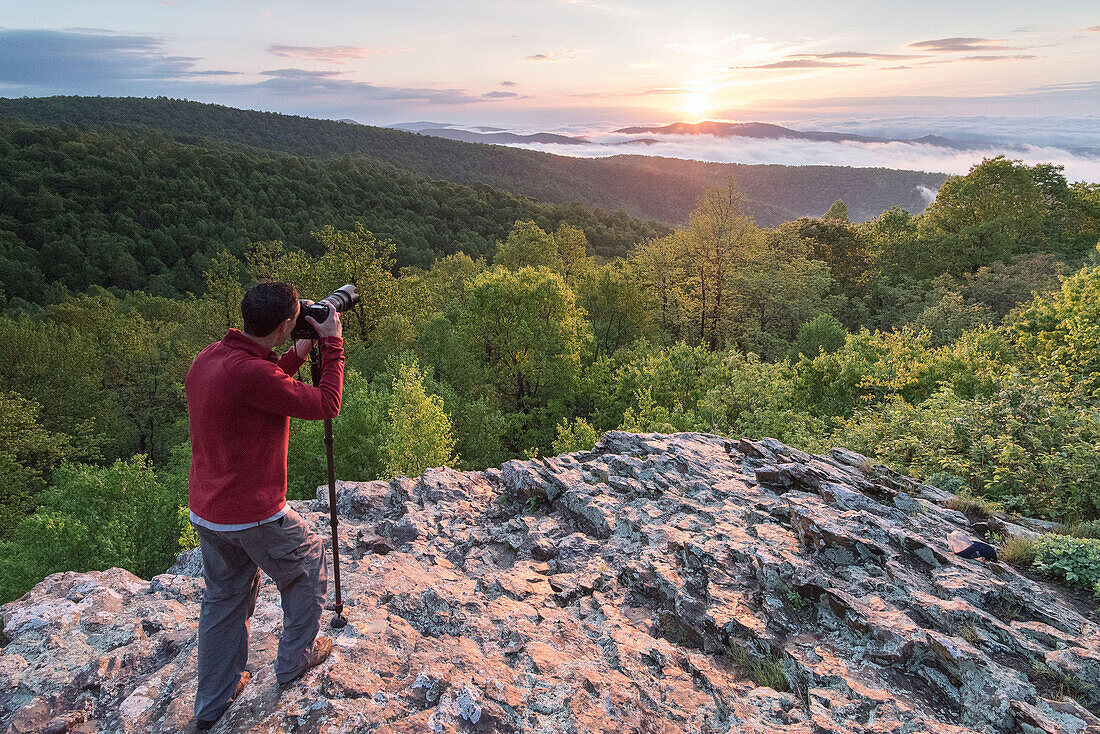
point(682, 583)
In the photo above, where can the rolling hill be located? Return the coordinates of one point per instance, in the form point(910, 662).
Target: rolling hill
point(663, 189)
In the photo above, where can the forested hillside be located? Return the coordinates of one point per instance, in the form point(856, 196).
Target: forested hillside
point(138, 210)
point(959, 346)
point(665, 189)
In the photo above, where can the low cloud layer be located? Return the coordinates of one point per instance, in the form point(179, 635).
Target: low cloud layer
point(920, 157)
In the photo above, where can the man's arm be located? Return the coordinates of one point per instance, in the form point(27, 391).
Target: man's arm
point(269, 388)
point(294, 357)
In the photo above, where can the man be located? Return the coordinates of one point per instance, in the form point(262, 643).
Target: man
point(240, 399)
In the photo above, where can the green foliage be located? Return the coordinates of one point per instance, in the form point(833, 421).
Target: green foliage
point(837, 212)
point(1059, 334)
point(131, 209)
point(359, 433)
point(94, 518)
point(1088, 529)
point(947, 482)
point(524, 334)
point(527, 246)
point(976, 507)
point(188, 539)
point(1074, 560)
point(1017, 550)
point(823, 333)
point(419, 431)
point(574, 436)
point(28, 455)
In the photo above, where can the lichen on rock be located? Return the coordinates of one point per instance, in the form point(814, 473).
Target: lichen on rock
point(658, 583)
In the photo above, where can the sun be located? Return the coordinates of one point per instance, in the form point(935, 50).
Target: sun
point(696, 105)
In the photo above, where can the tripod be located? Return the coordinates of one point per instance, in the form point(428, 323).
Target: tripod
point(338, 621)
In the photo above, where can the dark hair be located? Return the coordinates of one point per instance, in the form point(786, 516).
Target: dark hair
point(266, 305)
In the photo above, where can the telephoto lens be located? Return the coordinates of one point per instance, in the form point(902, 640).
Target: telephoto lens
point(341, 299)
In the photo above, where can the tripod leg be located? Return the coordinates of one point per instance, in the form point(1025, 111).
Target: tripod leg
point(338, 621)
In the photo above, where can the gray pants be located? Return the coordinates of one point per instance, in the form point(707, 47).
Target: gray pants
point(294, 557)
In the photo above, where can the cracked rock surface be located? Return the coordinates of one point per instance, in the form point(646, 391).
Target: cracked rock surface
point(658, 584)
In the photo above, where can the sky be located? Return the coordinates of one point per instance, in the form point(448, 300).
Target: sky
point(1025, 70)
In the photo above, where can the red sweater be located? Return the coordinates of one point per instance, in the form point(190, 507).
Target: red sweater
point(240, 399)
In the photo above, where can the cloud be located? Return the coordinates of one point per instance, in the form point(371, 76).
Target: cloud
point(634, 93)
point(330, 54)
point(559, 54)
point(853, 55)
point(507, 84)
point(792, 152)
point(957, 44)
point(55, 59)
point(995, 58)
point(1070, 99)
point(801, 64)
point(305, 83)
point(503, 95)
point(986, 57)
point(1092, 29)
point(929, 195)
point(597, 5)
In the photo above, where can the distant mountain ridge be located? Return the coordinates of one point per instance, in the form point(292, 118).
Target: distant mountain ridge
point(650, 187)
point(504, 138)
point(768, 130)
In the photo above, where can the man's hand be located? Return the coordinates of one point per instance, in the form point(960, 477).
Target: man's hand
point(330, 326)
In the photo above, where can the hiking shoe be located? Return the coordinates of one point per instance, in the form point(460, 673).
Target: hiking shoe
point(203, 724)
point(322, 647)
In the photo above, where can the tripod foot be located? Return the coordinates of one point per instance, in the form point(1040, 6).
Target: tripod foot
point(339, 622)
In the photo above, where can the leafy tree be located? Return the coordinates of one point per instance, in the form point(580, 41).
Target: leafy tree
point(224, 291)
point(947, 319)
point(838, 212)
point(420, 435)
point(615, 307)
point(1059, 334)
point(28, 455)
point(720, 238)
point(361, 259)
point(995, 211)
point(525, 334)
point(528, 245)
point(93, 518)
point(572, 247)
point(841, 246)
point(574, 436)
point(657, 269)
point(823, 333)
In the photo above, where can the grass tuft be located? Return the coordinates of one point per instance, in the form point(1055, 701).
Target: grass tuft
point(1018, 550)
point(972, 506)
point(763, 672)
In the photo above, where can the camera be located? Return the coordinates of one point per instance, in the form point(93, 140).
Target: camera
point(340, 300)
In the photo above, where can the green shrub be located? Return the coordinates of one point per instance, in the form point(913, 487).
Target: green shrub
point(575, 436)
point(1074, 560)
point(1090, 529)
point(96, 517)
point(947, 482)
point(972, 506)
